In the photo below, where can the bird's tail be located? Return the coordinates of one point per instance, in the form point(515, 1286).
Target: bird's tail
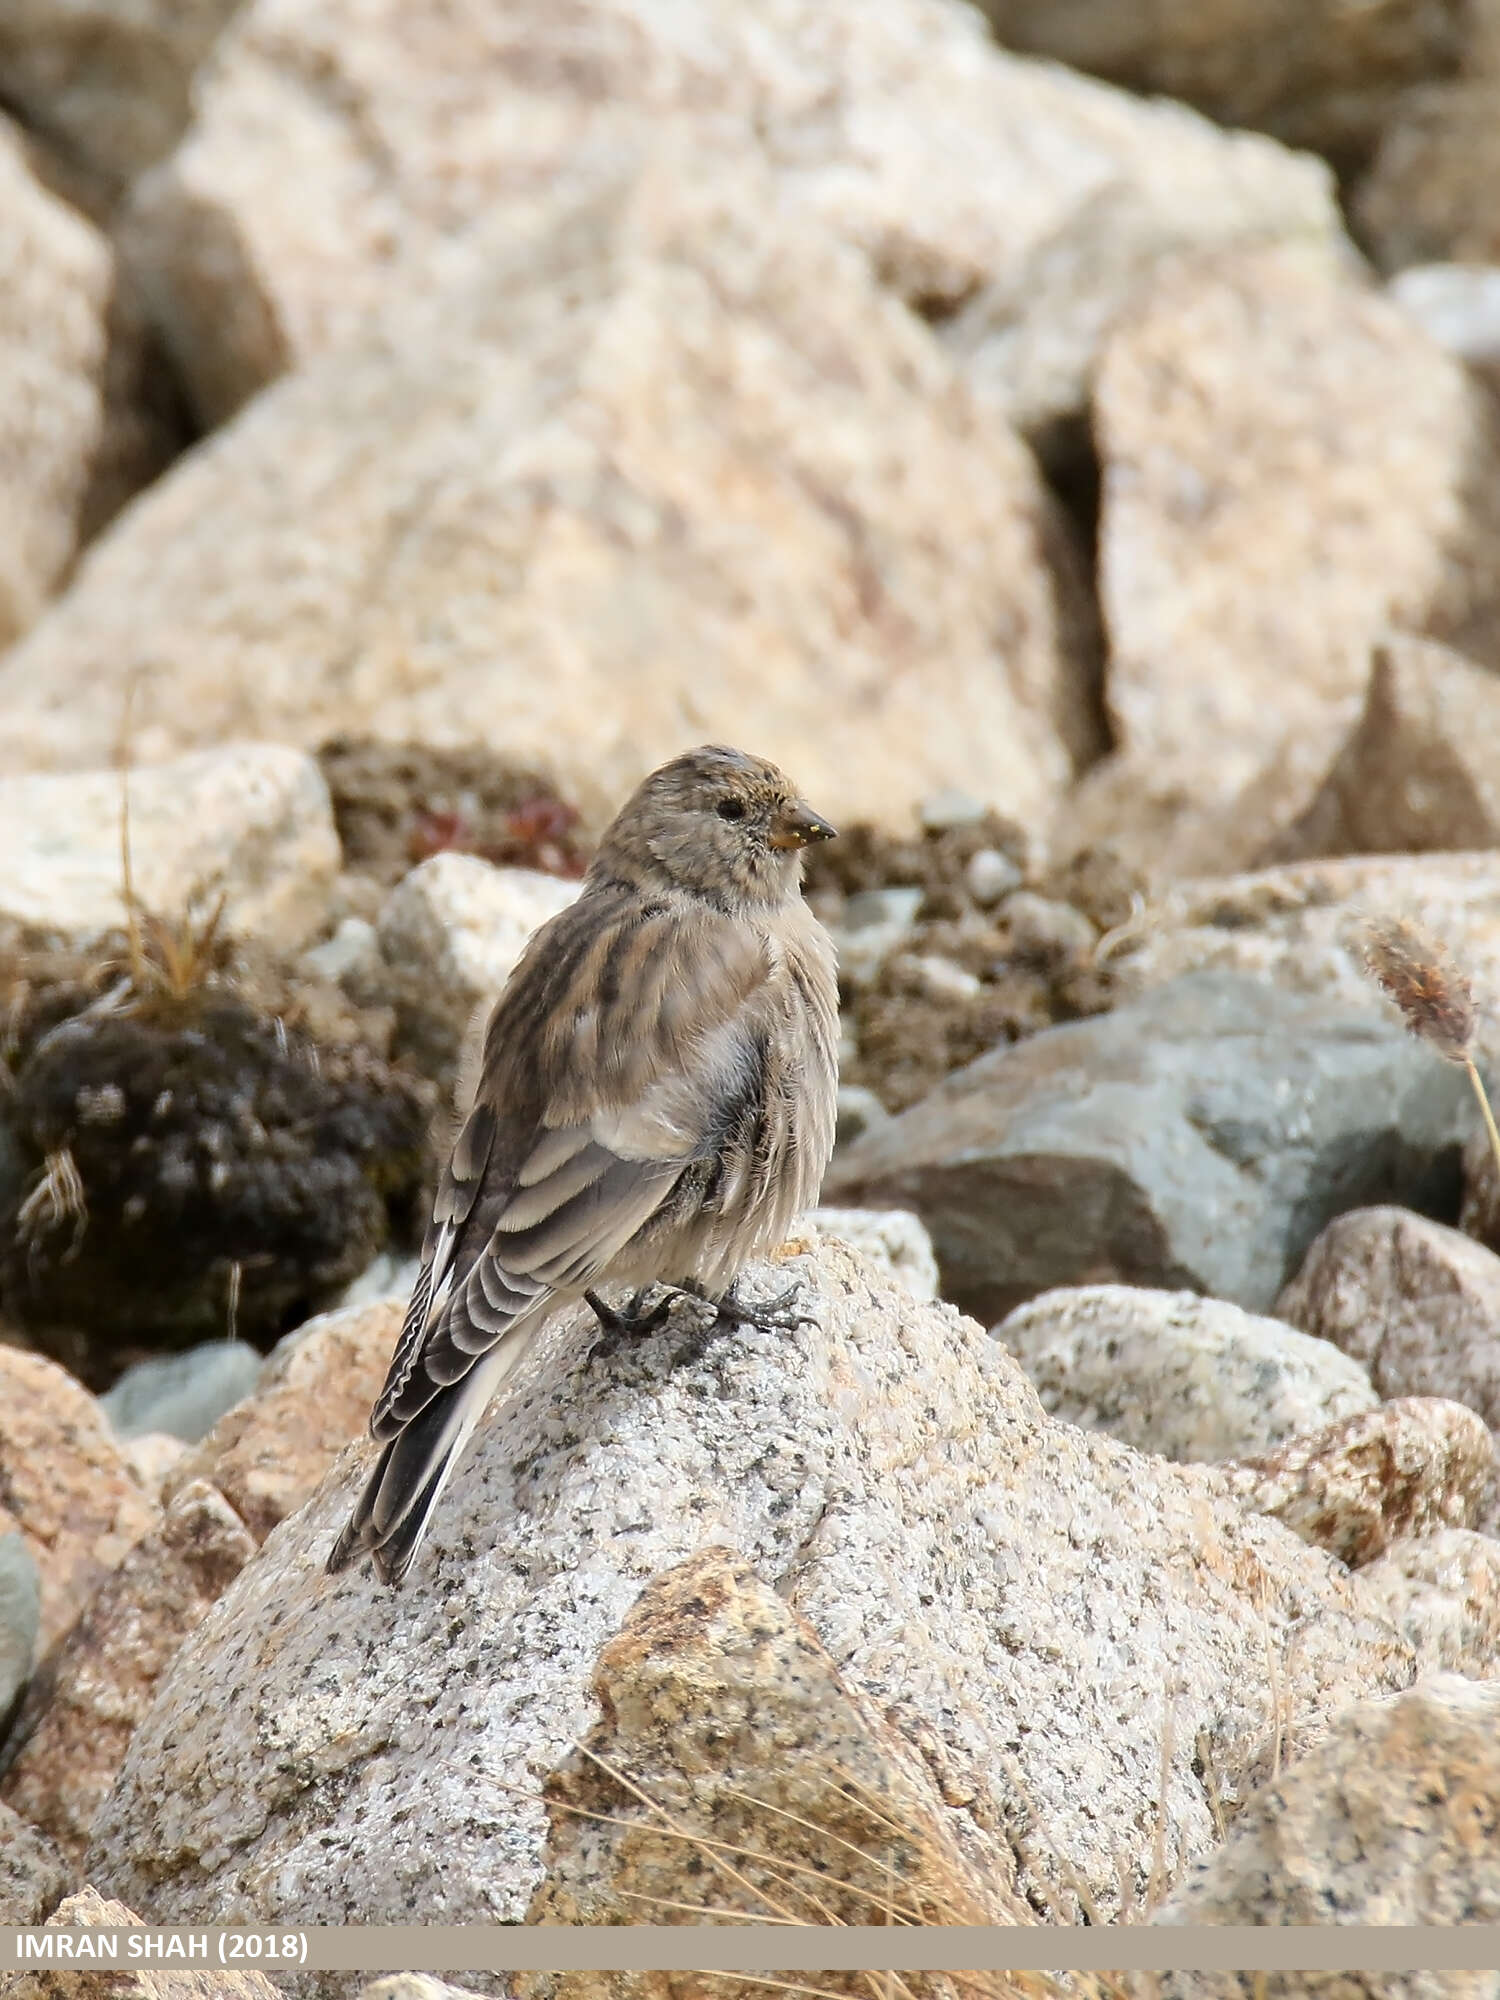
point(391, 1516)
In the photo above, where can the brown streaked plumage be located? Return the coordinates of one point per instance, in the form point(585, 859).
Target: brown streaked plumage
point(656, 1103)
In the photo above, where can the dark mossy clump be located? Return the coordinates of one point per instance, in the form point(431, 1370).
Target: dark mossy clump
point(396, 804)
point(188, 1165)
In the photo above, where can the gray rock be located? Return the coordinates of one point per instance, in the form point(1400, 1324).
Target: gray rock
point(183, 1394)
point(1171, 1372)
point(1388, 1821)
point(34, 1877)
point(1015, 1596)
point(1199, 1137)
point(20, 1618)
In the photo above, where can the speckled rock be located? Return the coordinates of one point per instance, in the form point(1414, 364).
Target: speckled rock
point(947, 163)
point(1443, 1592)
point(88, 1697)
point(66, 1485)
point(891, 1236)
point(1196, 1138)
point(450, 935)
point(734, 1727)
point(1290, 467)
point(967, 1563)
point(33, 1875)
point(754, 458)
point(53, 342)
point(88, 1910)
point(1418, 1304)
point(315, 1392)
point(1414, 1466)
point(1387, 1821)
point(262, 837)
point(1170, 1372)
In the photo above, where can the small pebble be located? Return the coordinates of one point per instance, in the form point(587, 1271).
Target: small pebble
point(1047, 931)
point(991, 875)
point(353, 946)
point(876, 922)
point(939, 978)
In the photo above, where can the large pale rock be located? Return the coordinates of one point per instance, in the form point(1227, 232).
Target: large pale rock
point(1388, 1821)
point(1316, 72)
point(1197, 1137)
point(724, 490)
point(967, 1563)
point(1431, 192)
point(267, 1454)
point(1419, 771)
point(738, 1736)
point(1418, 1304)
point(88, 1910)
point(53, 342)
point(1170, 1372)
point(450, 935)
point(1414, 1466)
point(252, 823)
point(1290, 467)
point(110, 82)
point(267, 238)
point(1443, 1591)
point(87, 1699)
point(65, 1484)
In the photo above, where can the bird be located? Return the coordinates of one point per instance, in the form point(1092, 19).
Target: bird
point(656, 1102)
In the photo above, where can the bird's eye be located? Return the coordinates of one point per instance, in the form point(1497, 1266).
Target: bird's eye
point(730, 809)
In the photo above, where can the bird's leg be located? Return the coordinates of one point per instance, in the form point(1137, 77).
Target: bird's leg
point(634, 1318)
point(781, 1314)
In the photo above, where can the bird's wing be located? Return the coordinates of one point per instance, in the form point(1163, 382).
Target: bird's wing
point(623, 1051)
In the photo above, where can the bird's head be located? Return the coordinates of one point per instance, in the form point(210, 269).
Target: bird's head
point(717, 823)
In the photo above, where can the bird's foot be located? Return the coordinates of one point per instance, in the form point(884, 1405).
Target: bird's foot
point(630, 1321)
point(782, 1314)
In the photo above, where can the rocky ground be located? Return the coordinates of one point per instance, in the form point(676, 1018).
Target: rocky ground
point(1068, 439)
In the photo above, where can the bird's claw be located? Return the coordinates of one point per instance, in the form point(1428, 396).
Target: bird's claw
point(632, 1320)
point(782, 1314)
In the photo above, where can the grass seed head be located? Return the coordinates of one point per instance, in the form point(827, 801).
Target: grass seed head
point(1435, 998)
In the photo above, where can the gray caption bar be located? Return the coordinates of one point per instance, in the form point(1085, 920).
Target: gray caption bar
point(764, 1948)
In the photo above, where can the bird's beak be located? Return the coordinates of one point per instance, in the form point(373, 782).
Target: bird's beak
point(797, 825)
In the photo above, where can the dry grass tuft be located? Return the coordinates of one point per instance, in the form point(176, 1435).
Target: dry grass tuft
point(906, 1876)
point(1435, 998)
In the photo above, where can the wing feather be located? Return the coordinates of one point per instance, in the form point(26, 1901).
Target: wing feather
point(610, 1062)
